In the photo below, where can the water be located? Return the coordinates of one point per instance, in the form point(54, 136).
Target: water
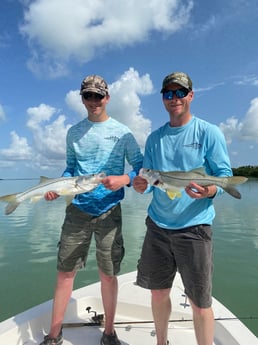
point(29, 236)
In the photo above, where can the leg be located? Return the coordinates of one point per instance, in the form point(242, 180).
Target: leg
point(63, 291)
point(203, 324)
point(109, 289)
point(161, 309)
point(194, 256)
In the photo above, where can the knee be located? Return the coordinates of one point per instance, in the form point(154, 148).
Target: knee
point(65, 277)
point(200, 312)
point(160, 296)
point(106, 279)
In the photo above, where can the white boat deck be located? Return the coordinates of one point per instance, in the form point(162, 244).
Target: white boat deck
point(133, 308)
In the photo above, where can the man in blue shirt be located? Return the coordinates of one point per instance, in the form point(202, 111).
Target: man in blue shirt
point(179, 231)
point(96, 144)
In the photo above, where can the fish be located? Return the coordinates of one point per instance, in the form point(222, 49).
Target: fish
point(173, 182)
point(63, 186)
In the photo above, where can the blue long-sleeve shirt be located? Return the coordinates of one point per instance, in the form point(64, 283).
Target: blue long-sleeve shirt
point(94, 147)
point(194, 145)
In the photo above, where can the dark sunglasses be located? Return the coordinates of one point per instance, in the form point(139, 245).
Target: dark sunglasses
point(180, 93)
point(92, 95)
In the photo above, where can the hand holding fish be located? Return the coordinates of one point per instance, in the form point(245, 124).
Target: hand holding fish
point(49, 196)
point(114, 182)
point(140, 184)
point(198, 192)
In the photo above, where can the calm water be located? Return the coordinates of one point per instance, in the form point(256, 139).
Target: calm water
point(29, 236)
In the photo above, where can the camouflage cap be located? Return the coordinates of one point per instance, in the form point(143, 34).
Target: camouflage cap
point(94, 83)
point(177, 78)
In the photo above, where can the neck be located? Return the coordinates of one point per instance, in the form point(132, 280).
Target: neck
point(98, 117)
point(179, 121)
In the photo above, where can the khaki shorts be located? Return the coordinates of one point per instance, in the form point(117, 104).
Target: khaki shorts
point(188, 251)
point(76, 235)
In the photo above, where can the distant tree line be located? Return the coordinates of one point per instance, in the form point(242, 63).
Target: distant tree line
point(247, 171)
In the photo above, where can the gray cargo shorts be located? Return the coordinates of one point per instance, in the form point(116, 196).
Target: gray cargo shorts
point(188, 251)
point(76, 235)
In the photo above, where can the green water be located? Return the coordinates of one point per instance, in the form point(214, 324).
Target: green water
point(29, 236)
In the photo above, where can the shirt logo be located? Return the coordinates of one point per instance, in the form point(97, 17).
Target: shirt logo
point(195, 146)
point(115, 139)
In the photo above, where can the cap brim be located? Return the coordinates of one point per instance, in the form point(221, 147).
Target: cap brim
point(94, 90)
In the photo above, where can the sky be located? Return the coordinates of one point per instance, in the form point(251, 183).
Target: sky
point(47, 47)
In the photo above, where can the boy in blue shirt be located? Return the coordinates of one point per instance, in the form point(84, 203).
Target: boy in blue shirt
point(96, 144)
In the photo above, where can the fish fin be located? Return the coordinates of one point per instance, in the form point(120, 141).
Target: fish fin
point(8, 198)
point(233, 180)
point(36, 198)
point(230, 188)
point(43, 179)
point(173, 195)
point(12, 202)
point(200, 171)
point(68, 199)
point(232, 191)
point(11, 206)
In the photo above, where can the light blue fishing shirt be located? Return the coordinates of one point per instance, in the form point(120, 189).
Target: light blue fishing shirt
point(94, 147)
point(194, 145)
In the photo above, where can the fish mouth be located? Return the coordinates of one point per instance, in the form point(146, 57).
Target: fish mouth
point(156, 183)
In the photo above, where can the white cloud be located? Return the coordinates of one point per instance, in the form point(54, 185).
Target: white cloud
point(19, 149)
point(60, 30)
point(248, 80)
point(246, 129)
point(48, 139)
point(125, 104)
point(73, 100)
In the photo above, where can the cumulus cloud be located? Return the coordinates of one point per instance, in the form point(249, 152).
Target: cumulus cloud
point(125, 104)
point(58, 31)
point(19, 149)
point(48, 134)
point(245, 129)
point(73, 100)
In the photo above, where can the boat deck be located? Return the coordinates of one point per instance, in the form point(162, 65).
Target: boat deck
point(134, 324)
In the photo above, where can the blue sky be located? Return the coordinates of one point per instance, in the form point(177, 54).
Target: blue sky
point(48, 47)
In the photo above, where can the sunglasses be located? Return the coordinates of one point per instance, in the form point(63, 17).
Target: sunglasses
point(180, 93)
point(92, 95)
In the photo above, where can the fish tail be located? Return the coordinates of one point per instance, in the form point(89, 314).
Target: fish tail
point(12, 202)
point(11, 206)
point(232, 191)
point(231, 183)
point(8, 198)
point(234, 180)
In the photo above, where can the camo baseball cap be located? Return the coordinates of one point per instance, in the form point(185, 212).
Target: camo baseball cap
point(94, 83)
point(177, 78)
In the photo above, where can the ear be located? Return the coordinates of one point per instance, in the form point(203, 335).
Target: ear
point(107, 98)
point(191, 95)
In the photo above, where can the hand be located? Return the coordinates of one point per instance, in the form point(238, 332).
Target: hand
point(114, 182)
point(139, 184)
point(49, 196)
point(199, 192)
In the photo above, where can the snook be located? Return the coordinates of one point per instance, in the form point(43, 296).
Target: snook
point(173, 182)
point(65, 186)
